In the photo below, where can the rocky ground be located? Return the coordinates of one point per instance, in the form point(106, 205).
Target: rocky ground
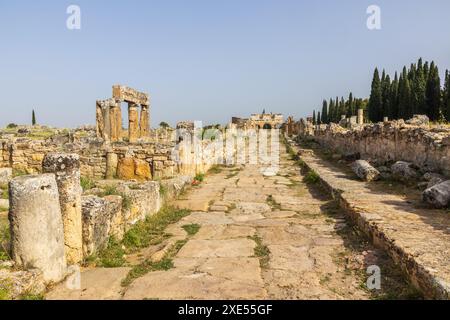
point(253, 237)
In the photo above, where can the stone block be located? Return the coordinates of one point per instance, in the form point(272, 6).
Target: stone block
point(365, 171)
point(438, 195)
point(37, 232)
point(66, 168)
point(404, 171)
point(96, 224)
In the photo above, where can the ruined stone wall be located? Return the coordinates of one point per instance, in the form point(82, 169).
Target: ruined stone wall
point(427, 148)
point(142, 161)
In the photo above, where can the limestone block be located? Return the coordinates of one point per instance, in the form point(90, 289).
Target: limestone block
point(117, 228)
point(5, 175)
point(365, 171)
point(438, 195)
point(144, 199)
point(130, 168)
point(142, 169)
point(37, 232)
point(125, 168)
point(66, 168)
point(96, 224)
point(404, 171)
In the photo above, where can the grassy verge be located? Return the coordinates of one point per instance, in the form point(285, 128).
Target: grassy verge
point(143, 234)
point(311, 177)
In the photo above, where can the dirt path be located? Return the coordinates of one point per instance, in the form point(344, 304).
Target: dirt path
point(258, 238)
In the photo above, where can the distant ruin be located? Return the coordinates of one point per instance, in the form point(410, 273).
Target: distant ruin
point(109, 115)
point(258, 121)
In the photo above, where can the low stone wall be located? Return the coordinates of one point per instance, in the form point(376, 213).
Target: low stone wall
point(403, 232)
point(428, 149)
point(112, 216)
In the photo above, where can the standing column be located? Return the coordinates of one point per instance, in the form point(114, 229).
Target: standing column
point(360, 116)
point(66, 168)
point(115, 121)
point(133, 122)
point(144, 122)
point(37, 233)
point(100, 122)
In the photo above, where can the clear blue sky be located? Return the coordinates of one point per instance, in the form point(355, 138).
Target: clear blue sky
point(206, 59)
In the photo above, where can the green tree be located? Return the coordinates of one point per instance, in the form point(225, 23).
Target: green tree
point(164, 124)
point(385, 95)
point(314, 117)
point(404, 96)
point(375, 100)
point(446, 96)
point(342, 108)
point(350, 106)
point(319, 119)
point(393, 98)
point(418, 89)
point(33, 118)
point(331, 111)
point(324, 118)
point(433, 93)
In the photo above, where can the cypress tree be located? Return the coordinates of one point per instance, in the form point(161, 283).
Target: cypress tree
point(33, 118)
point(404, 96)
point(350, 105)
point(386, 96)
point(319, 120)
point(331, 111)
point(342, 109)
point(393, 99)
point(419, 87)
point(375, 99)
point(324, 118)
point(314, 116)
point(433, 93)
point(446, 96)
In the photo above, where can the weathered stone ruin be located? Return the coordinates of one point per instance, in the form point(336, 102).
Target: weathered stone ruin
point(109, 115)
point(54, 223)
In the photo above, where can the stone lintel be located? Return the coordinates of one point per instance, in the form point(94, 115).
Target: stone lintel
point(126, 94)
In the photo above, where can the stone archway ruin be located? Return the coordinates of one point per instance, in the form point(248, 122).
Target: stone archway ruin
point(109, 115)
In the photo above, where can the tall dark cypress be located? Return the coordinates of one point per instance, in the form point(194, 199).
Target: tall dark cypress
point(314, 117)
point(393, 99)
point(319, 120)
point(404, 96)
point(331, 111)
point(375, 100)
point(324, 118)
point(33, 118)
point(386, 96)
point(419, 87)
point(350, 105)
point(433, 93)
point(446, 95)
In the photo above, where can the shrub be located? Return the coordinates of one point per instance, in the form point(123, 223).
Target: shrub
point(311, 177)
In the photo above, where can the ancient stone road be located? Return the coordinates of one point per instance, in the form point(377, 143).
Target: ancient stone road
point(244, 211)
